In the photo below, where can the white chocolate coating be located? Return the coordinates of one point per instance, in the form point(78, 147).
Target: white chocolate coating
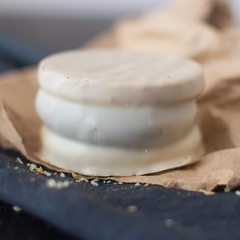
point(94, 160)
point(118, 113)
point(116, 125)
point(120, 77)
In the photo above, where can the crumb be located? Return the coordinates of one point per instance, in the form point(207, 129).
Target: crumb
point(104, 181)
point(28, 164)
point(94, 183)
point(55, 174)
point(237, 193)
point(32, 167)
point(115, 183)
point(145, 185)
point(51, 183)
point(47, 173)
point(16, 168)
point(62, 175)
point(66, 183)
point(76, 176)
point(40, 170)
point(83, 179)
point(132, 209)
point(120, 182)
point(169, 222)
point(17, 209)
point(226, 189)
point(137, 184)
point(109, 181)
point(207, 193)
point(18, 159)
point(68, 77)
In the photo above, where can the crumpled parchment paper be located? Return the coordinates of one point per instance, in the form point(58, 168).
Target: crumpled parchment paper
point(201, 30)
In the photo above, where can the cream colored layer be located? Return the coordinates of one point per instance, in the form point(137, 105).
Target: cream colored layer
point(119, 126)
point(120, 77)
point(95, 160)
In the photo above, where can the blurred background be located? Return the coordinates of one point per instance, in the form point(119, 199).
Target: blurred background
point(56, 25)
point(47, 26)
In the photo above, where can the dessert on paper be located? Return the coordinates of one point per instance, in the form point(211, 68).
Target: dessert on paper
point(118, 113)
point(218, 107)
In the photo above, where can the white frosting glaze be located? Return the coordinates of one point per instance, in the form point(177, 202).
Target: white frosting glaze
point(90, 159)
point(120, 77)
point(117, 125)
point(110, 112)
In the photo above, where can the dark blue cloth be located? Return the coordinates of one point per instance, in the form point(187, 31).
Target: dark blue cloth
point(102, 213)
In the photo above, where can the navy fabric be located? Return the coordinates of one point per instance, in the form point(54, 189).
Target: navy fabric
point(84, 211)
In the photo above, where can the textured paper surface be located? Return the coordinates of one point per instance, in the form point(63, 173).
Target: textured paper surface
point(205, 33)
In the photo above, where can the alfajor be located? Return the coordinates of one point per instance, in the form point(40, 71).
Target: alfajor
point(118, 113)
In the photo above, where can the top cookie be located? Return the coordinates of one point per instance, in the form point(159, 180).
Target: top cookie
point(120, 77)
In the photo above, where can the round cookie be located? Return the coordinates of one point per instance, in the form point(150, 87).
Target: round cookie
point(119, 113)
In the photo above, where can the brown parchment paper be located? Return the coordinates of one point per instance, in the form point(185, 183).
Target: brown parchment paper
point(202, 30)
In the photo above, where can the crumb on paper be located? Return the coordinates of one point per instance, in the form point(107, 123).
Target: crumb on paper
point(47, 173)
point(207, 193)
point(62, 175)
point(17, 209)
point(237, 192)
point(137, 184)
point(132, 209)
point(94, 182)
point(76, 176)
point(19, 160)
point(169, 222)
point(51, 183)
